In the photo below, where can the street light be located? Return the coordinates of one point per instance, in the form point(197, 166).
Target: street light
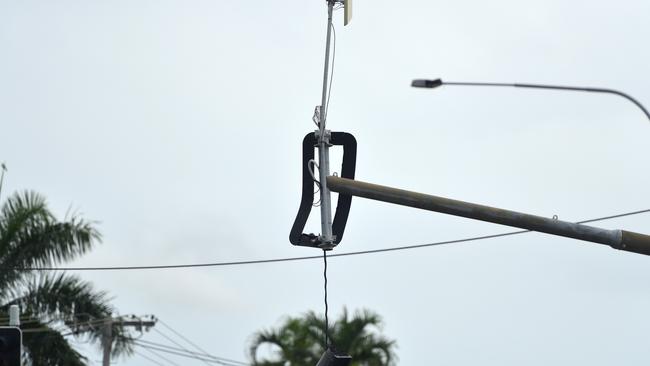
point(617, 239)
point(434, 83)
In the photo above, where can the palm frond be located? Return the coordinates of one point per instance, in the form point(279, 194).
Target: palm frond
point(31, 236)
point(75, 303)
point(46, 346)
point(294, 342)
point(300, 341)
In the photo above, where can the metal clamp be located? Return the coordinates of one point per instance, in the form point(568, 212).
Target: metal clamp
point(348, 166)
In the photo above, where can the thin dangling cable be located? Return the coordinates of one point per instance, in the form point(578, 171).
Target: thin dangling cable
point(327, 336)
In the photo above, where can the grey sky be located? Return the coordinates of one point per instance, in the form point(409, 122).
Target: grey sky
point(178, 125)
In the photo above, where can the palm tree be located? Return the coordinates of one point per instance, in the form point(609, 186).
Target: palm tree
point(299, 341)
point(54, 305)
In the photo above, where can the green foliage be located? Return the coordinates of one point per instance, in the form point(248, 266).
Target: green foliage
point(55, 306)
point(299, 341)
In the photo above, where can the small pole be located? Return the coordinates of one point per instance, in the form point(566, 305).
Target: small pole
point(617, 239)
point(14, 316)
point(326, 238)
point(108, 341)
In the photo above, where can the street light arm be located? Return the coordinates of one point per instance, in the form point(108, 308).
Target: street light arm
point(617, 239)
point(423, 83)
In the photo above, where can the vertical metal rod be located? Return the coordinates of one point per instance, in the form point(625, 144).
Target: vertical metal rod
point(323, 146)
point(108, 341)
point(326, 71)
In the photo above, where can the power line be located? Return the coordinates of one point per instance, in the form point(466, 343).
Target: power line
point(209, 360)
point(195, 345)
point(148, 358)
point(165, 359)
point(291, 259)
point(205, 357)
point(149, 343)
point(202, 355)
point(183, 349)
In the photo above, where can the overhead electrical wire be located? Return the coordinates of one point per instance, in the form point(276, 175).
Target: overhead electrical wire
point(194, 344)
point(165, 359)
point(182, 349)
point(185, 350)
point(147, 357)
point(310, 257)
point(182, 354)
point(202, 355)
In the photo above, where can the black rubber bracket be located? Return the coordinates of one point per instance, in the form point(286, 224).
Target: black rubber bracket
point(348, 166)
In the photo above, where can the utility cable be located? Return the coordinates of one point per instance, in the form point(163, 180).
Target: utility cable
point(206, 353)
point(205, 357)
point(291, 259)
point(176, 343)
point(165, 359)
point(148, 358)
point(327, 327)
point(188, 356)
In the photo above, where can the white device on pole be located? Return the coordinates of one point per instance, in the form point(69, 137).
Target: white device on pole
point(347, 10)
point(14, 316)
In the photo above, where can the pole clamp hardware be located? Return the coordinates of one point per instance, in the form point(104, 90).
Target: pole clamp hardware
point(348, 166)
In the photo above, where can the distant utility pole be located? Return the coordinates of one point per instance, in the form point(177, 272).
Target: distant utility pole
point(109, 323)
point(107, 341)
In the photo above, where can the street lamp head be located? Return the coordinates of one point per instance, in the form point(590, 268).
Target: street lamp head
point(426, 83)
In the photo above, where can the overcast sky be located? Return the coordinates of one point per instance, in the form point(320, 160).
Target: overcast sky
point(178, 126)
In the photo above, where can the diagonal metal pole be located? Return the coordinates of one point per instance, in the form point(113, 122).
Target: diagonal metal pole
point(617, 239)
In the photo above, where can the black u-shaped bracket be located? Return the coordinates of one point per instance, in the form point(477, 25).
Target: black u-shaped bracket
point(309, 143)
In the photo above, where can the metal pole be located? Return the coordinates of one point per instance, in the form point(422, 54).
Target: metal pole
point(108, 341)
point(323, 147)
point(426, 83)
point(618, 239)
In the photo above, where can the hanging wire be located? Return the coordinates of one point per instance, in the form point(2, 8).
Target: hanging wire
point(327, 327)
point(311, 164)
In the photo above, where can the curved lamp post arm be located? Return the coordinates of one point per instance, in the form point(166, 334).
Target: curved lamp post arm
point(426, 83)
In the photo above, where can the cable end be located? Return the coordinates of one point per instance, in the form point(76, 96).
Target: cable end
point(426, 83)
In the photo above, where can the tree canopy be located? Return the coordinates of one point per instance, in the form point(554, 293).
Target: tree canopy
point(54, 306)
point(299, 341)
